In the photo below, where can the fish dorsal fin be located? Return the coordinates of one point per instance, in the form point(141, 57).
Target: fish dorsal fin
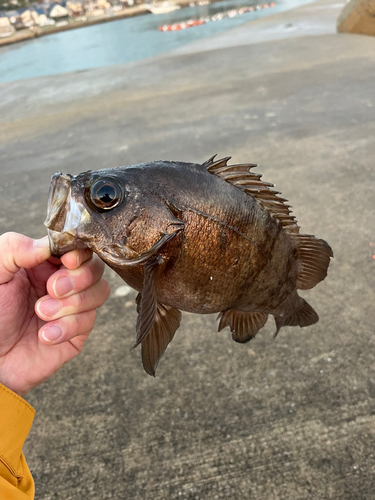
point(209, 161)
point(250, 182)
point(313, 254)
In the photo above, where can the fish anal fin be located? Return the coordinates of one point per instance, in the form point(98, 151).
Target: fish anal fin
point(314, 257)
point(243, 325)
point(167, 320)
point(251, 183)
point(302, 316)
point(146, 301)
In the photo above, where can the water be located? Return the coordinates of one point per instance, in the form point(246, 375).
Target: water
point(121, 41)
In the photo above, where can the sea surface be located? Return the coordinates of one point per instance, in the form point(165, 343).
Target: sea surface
point(121, 41)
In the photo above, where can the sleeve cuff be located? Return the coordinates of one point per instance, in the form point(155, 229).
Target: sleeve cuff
point(16, 417)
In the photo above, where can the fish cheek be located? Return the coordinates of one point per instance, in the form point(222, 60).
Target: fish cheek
point(142, 234)
point(154, 222)
point(94, 231)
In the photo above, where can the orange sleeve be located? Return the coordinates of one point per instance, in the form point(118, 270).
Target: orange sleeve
point(16, 417)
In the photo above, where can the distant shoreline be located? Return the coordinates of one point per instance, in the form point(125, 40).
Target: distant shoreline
point(138, 10)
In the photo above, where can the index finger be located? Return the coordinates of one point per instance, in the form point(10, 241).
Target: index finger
point(75, 258)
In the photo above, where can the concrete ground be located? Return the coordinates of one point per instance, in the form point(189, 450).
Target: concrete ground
point(290, 419)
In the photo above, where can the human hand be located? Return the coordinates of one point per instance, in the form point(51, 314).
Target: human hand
point(47, 308)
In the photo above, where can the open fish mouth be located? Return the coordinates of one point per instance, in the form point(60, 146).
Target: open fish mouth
point(63, 216)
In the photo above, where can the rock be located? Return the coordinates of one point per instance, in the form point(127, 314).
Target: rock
point(358, 16)
point(122, 291)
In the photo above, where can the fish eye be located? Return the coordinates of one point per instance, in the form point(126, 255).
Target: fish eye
point(104, 195)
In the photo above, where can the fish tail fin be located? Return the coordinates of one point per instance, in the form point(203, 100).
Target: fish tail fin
point(302, 315)
point(314, 257)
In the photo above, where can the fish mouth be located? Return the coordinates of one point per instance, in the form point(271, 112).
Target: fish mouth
point(63, 216)
point(60, 243)
point(57, 201)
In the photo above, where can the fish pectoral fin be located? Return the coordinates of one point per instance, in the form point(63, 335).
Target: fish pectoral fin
point(156, 322)
point(167, 320)
point(303, 315)
point(243, 325)
point(146, 301)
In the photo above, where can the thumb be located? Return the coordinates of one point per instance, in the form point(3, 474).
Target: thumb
point(18, 251)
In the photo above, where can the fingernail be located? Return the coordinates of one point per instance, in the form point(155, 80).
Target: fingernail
point(51, 333)
point(63, 286)
point(49, 307)
point(41, 243)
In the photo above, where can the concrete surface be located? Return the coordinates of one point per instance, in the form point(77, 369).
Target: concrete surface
point(290, 419)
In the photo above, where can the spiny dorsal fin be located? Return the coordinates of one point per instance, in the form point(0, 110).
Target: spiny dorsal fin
point(313, 254)
point(209, 161)
point(251, 183)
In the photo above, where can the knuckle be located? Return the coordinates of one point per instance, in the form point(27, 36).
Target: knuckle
point(80, 300)
point(98, 263)
point(105, 290)
point(10, 239)
point(84, 321)
point(86, 277)
point(89, 274)
point(79, 323)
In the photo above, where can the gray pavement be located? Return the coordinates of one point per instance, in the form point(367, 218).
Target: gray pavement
point(290, 419)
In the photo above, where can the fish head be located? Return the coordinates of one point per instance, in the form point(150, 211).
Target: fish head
point(108, 212)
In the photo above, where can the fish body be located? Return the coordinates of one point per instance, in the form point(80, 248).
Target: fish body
point(211, 238)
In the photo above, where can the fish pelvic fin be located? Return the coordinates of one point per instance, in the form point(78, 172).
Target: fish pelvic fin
point(243, 325)
point(313, 257)
point(167, 320)
point(303, 315)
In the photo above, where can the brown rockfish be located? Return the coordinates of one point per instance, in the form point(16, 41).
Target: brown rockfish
point(210, 238)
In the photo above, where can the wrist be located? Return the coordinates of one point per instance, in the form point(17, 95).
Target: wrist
point(13, 385)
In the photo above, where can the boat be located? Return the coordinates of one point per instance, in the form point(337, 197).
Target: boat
point(216, 17)
point(161, 8)
point(181, 26)
point(5, 32)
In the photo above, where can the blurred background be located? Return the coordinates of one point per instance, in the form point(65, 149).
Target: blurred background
point(275, 84)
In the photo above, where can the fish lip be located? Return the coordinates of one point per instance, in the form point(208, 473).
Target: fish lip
point(58, 195)
point(64, 216)
point(61, 243)
point(108, 254)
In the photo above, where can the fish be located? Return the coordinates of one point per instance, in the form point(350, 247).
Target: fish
point(202, 238)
